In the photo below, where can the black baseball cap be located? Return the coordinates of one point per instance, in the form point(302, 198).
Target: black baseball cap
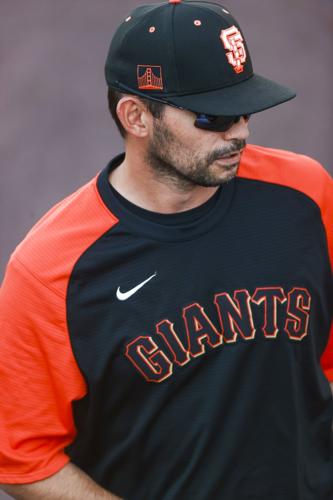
point(191, 54)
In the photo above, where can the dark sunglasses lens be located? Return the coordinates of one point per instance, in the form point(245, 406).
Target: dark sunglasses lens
point(215, 123)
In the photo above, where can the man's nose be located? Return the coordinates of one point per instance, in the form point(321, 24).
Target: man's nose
point(239, 130)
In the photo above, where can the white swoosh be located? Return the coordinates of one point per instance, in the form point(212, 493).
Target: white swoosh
point(127, 295)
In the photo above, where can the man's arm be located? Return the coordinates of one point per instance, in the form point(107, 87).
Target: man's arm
point(70, 483)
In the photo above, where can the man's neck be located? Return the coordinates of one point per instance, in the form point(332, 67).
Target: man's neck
point(136, 182)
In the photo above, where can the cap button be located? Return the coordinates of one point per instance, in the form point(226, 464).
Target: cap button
point(175, 1)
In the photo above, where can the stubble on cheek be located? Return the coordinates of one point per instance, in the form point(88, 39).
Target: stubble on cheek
point(168, 160)
point(182, 165)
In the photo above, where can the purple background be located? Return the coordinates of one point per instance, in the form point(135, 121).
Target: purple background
point(55, 129)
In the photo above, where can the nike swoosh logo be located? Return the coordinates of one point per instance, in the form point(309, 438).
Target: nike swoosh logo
point(127, 295)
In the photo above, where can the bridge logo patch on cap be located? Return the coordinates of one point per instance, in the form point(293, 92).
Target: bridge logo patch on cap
point(149, 77)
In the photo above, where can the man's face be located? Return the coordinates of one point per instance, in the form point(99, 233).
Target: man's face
point(186, 156)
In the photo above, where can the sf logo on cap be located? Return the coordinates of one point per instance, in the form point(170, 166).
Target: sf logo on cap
point(233, 42)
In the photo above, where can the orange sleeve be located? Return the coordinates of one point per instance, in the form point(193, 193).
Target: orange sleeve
point(39, 378)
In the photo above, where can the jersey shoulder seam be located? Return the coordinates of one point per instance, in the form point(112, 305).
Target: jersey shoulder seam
point(15, 258)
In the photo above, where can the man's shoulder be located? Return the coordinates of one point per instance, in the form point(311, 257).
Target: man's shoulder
point(281, 160)
point(54, 244)
point(286, 168)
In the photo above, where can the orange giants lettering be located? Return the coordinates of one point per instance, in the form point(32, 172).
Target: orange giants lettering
point(155, 357)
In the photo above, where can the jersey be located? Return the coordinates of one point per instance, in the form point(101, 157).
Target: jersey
point(176, 356)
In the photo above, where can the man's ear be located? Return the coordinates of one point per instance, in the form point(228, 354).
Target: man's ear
point(134, 116)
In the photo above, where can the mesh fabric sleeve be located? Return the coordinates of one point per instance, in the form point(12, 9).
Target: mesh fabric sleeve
point(39, 378)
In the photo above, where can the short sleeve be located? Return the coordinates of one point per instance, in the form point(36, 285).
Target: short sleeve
point(39, 378)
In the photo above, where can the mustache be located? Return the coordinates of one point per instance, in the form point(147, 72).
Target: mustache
point(234, 147)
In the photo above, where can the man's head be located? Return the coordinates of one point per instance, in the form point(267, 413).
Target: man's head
point(174, 148)
point(185, 87)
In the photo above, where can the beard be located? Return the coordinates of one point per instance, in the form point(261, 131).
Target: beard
point(183, 168)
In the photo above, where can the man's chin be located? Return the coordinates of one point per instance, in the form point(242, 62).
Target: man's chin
point(229, 173)
point(220, 180)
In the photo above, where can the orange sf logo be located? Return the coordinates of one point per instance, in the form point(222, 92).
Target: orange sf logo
point(233, 42)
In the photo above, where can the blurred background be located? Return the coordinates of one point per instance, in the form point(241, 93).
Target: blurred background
point(55, 128)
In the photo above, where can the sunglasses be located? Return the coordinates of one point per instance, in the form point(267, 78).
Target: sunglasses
point(217, 123)
point(212, 123)
point(203, 121)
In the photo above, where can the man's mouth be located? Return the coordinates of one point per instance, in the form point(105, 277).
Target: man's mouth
point(230, 157)
point(233, 155)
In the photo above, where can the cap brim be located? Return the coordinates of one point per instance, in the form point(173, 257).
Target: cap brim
point(248, 97)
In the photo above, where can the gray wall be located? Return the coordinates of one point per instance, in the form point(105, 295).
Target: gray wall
point(55, 131)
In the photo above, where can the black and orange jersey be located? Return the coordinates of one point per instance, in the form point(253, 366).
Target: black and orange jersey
point(176, 356)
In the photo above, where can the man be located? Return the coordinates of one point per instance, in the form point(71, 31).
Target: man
point(167, 329)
